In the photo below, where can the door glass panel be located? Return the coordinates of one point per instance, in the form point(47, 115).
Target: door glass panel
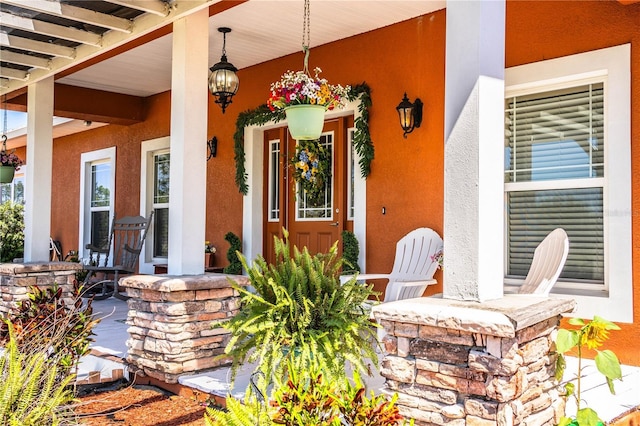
point(320, 207)
point(274, 180)
point(351, 176)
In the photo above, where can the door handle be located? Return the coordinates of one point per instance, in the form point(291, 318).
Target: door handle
point(334, 224)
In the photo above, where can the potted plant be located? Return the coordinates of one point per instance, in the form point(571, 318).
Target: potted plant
point(9, 162)
point(209, 253)
point(299, 314)
point(304, 100)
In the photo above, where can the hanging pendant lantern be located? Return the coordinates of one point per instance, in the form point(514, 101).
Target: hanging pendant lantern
point(223, 80)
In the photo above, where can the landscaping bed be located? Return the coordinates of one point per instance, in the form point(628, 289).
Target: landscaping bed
point(138, 405)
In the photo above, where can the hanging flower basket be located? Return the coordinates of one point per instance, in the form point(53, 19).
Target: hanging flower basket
point(9, 161)
point(314, 94)
point(6, 174)
point(305, 121)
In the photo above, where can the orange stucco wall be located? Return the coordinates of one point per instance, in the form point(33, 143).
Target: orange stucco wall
point(66, 168)
point(390, 67)
point(407, 174)
point(545, 30)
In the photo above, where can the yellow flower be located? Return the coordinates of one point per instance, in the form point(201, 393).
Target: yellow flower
point(597, 331)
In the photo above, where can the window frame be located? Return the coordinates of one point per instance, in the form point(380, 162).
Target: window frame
point(612, 67)
point(148, 150)
point(87, 159)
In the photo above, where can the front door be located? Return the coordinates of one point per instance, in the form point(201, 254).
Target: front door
point(315, 219)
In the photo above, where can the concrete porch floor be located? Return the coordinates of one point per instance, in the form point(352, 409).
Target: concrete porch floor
point(109, 350)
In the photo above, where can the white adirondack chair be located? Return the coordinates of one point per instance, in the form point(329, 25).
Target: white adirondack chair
point(413, 267)
point(548, 261)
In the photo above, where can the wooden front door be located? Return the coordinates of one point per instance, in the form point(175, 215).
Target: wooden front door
point(315, 223)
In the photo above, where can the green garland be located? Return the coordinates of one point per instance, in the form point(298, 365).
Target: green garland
point(262, 115)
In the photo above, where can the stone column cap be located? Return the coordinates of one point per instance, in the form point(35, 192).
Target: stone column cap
point(30, 267)
point(500, 317)
point(168, 283)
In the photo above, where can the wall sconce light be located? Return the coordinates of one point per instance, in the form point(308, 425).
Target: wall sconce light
point(223, 80)
point(410, 114)
point(212, 147)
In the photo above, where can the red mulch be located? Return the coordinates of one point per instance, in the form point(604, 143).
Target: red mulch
point(139, 405)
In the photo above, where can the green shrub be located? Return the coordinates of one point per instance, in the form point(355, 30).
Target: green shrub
point(11, 231)
point(350, 252)
point(32, 393)
point(299, 313)
point(235, 266)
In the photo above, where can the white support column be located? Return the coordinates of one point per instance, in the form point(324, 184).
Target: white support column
point(37, 216)
point(474, 150)
point(189, 105)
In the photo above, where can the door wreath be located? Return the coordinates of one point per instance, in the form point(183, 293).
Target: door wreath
point(311, 169)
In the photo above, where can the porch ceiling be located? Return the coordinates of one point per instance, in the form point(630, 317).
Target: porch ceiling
point(97, 44)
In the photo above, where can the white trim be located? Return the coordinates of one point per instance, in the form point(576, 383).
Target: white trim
point(613, 66)
point(252, 207)
point(147, 150)
point(108, 154)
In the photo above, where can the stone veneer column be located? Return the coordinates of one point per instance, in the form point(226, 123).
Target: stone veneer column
point(16, 279)
point(468, 363)
point(174, 322)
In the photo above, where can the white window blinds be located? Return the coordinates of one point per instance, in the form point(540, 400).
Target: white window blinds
point(554, 169)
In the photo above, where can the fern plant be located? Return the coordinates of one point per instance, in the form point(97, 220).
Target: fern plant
point(237, 413)
point(31, 393)
point(299, 312)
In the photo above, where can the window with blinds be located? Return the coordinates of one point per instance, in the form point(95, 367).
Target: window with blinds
point(554, 177)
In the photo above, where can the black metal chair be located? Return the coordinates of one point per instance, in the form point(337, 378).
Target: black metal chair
point(125, 239)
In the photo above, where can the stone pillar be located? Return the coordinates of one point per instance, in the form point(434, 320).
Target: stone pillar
point(175, 322)
point(456, 363)
point(16, 279)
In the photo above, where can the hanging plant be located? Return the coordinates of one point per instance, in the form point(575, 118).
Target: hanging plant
point(262, 115)
point(9, 161)
point(311, 169)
